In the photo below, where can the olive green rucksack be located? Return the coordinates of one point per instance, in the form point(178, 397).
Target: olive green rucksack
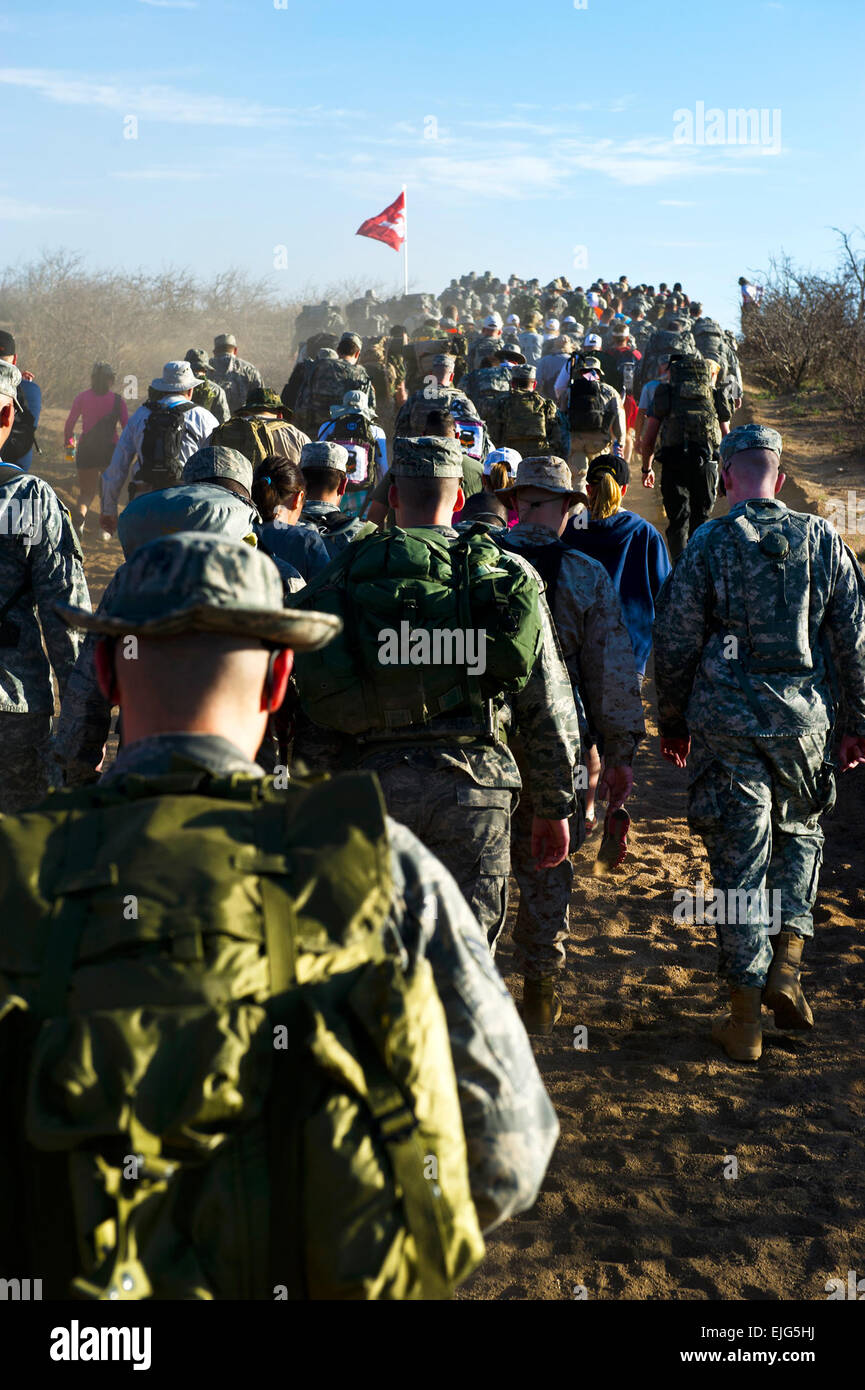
point(686, 407)
point(230, 1084)
point(414, 593)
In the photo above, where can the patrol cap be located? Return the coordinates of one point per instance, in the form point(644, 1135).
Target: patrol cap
point(426, 456)
point(524, 375)
point(546, 471)
point(350, 340)
point(199, 582)
point(10, 380)
point(321, 453)
point(216, 461)
point(590, 364)
point(224, 340)
point(750, 437)
point(442, 359)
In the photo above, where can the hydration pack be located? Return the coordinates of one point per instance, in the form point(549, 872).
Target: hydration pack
point(588, 412)
point(686, 406)
point(165, 430)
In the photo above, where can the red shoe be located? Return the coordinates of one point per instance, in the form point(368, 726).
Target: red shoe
point(614, 845)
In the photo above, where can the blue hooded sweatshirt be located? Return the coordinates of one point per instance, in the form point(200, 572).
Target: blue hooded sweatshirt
point(635, 557)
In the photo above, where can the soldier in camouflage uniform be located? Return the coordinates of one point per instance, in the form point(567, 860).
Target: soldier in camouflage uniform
point(211, 590)
point(207, 393)
point(325, 471)
point(437, 393)
point(599, 657)
point(456, 787)
point(214, 496)
point(512, 416)
point(40, 565)
point(236, 376)
point(761, 615)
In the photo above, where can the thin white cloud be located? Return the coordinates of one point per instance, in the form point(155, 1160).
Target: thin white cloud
point(171, 4)
point(675, 203)
point(164, 104)
point(157, 175)
point(17, 210)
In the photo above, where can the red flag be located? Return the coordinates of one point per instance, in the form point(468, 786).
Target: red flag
point(389, 226)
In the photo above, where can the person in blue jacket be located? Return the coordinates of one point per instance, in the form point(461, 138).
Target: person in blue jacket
point(635, 557)
point(29, 394)
point(631, 550)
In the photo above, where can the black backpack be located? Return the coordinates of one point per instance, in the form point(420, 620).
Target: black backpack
point(355, 434)
point(546, 559)
point(586, 405)
point(22, 437)
point(164, 431)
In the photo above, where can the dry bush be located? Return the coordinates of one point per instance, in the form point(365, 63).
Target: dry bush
point(809, 330)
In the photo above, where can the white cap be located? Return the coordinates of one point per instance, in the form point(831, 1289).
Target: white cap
point(514, 318)
point(552, 325)
point(592, 340)
point(493, 321)
point(509, 457)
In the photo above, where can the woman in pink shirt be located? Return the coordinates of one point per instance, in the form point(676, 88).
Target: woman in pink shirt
point(103, 413)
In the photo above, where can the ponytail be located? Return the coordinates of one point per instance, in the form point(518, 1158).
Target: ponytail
point(606, 497)
point(499, 477)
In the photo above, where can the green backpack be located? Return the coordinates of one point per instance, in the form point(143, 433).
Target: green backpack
point(686, 407)
point(250, 436)
point(407, 598)
point(521, 420)
point(224, 1081)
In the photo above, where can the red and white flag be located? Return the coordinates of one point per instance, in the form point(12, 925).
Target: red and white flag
point(389, 226)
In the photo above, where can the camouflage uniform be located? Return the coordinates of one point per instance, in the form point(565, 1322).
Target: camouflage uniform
point(457, 794)
point(236, 377)
point(599, 658)
point(334, 526)
point(500, 423)
point(760, 774)
point(212, 397)
point(85, 714)
point(434, 398)
point(510, 1125)
point(40, 565)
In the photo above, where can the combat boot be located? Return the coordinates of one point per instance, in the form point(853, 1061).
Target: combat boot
point(783, 992)
point(542, 1007)
point(740, 1032)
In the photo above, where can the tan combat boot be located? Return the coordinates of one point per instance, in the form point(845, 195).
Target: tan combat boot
point(740, 1032)
point(542, 1007)
point(783, 992)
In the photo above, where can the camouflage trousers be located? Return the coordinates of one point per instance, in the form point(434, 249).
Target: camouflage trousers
point(756, 803)
point(467, 827)
point(26, 771)
point(541, 928)
point(585, 447)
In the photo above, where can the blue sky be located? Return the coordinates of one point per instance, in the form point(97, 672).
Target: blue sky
point(540, 139)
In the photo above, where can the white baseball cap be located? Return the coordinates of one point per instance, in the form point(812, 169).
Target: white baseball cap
point(509, 457)
point(552, 325)
point(592, 340)
point(493, 321)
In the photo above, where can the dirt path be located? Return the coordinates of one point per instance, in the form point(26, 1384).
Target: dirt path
point(636, 1204)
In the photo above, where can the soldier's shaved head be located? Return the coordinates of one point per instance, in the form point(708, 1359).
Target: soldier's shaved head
point(752, 473)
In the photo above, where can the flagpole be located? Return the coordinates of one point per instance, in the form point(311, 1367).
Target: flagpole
point(405, 244)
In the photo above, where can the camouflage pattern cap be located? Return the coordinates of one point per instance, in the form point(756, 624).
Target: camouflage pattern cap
point(442, 359)
point(350, 342)
point(320, 453)
point(750, 437)
point(216, 461)
point(426, 456)
point(195, 582)
point(10, 380)
point(223, 341)
point(546, 471)
point(524, 376)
